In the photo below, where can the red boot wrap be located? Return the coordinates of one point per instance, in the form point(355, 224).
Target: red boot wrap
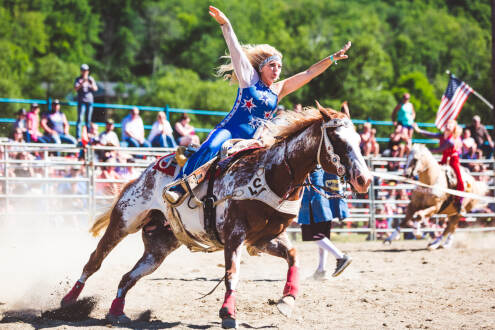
point(117, 307)
point(292, 285)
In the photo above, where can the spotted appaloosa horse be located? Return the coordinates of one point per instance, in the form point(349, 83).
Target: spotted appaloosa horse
point(299, 142)
point(426, 202)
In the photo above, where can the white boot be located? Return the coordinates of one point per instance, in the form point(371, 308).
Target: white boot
point(172, 196)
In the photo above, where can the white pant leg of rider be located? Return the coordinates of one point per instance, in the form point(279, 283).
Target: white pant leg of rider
point(329, 246)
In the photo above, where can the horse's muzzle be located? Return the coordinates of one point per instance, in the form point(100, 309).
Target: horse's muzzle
point(361, 182)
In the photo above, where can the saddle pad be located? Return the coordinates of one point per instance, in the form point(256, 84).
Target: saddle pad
point(167, 165)
point(224, 164)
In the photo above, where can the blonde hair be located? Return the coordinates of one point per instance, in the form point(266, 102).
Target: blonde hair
point(457, 130)
point(255, 54)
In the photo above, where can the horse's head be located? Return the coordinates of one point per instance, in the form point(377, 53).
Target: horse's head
point(416, 160)
point(339, 150)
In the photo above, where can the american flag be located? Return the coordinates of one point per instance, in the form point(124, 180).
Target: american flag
point(453, 99)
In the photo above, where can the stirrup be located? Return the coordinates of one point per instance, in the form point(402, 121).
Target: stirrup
point(174, 198)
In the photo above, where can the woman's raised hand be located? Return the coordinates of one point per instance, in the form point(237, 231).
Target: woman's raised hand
point(341, 54)
point(218, 15)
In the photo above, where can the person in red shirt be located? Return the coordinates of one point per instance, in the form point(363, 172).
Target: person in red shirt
point(450, 147)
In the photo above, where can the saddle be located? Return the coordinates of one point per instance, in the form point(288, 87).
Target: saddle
point(231, 151)
point(228, 156)
point(452, 184)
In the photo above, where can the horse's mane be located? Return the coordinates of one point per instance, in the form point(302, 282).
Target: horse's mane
point(289, 122)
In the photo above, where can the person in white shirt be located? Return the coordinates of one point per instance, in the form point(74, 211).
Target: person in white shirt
point(161, 134)
point(133, 130)
point(109, 137)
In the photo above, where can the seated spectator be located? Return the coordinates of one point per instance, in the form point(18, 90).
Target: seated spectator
point(298, 107)
point(480, 135)
point(184, 132)
point(473, 154)
point(56, 126)
point(468, 142)
point(20, 121)
point(133, 130)
point(93, 134)
point(109, 173)
point(17, 136)
point(161, 134)
point(109, 137)
point(33, 133)
point(398, 141)
point(368, 142)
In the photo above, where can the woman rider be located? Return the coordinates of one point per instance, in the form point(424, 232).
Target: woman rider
point(450, 147)
point(256, 69)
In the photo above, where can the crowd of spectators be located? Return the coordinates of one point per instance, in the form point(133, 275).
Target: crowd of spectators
point(28, 125)
point(117, 167)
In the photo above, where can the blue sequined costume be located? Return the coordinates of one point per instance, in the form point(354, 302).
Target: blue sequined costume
point(253, 105)
point(255, 102)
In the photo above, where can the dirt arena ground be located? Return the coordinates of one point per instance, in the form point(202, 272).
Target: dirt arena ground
point(403, 286)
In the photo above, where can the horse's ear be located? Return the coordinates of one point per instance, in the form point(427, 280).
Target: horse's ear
point(324, 112)
point(345, 109)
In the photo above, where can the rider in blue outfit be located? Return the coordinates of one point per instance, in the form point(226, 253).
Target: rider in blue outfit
point(255, 68)
point(253, 105)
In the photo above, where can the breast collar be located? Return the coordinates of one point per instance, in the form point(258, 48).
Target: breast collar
point(258, 189)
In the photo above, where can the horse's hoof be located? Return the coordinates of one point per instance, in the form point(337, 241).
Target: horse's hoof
point(285, 305)
point(118, 319)
point(432, 247)
point(71, 297)
point(229, 323)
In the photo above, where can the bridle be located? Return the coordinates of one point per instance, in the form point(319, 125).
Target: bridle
point(325, 141)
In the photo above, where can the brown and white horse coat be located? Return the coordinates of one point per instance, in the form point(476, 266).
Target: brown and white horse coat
point(298, 143)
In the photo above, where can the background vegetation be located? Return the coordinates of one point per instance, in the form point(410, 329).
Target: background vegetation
point(169, 50)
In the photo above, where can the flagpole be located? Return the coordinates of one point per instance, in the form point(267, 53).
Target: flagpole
point(474, 92)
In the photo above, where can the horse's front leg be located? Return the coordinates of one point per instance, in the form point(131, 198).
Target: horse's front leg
point(232, 253)
point(447, 237)
point(282, 247)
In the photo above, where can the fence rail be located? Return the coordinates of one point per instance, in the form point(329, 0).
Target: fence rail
point(36, 181)
point(168, 110)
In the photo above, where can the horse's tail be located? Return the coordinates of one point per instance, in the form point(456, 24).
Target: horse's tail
point(480, 188)
point(103, 220)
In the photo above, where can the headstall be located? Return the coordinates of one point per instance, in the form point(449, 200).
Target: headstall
point(325, 141)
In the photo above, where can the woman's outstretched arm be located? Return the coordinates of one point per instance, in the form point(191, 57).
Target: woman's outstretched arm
point(295, 82)
point(242, 67)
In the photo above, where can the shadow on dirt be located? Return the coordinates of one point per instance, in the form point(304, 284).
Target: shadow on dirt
point(67, 317)
point(398, 250)
point(204, 279)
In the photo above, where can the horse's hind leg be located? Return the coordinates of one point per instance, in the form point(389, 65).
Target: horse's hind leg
point(113, 235)
point(448, 233)
point(281, 247)
point(159, 242)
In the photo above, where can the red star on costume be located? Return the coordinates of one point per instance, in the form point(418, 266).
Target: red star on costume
point(249, 104)
point(268, 114)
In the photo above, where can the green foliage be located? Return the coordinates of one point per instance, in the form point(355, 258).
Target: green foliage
point(170, 49)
